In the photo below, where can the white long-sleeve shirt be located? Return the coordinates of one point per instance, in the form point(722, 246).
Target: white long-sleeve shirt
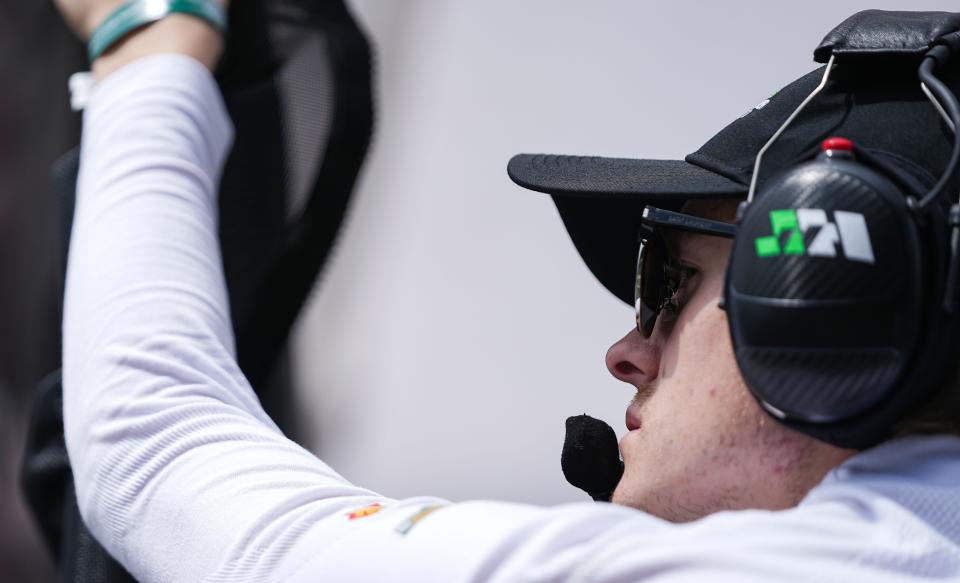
point(183, 477)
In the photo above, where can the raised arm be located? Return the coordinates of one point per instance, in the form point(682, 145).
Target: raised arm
point(178, 469)
point(179, 472)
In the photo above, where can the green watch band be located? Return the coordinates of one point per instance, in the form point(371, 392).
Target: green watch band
point(136, 13)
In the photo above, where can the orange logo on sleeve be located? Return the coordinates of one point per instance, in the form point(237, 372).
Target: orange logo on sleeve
point(365, 511)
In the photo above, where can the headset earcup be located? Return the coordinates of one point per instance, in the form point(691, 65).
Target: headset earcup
point(823, 295)
point(936, 357)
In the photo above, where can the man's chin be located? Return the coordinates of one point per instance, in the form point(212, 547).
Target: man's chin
point(621, 501)
point(622, 496)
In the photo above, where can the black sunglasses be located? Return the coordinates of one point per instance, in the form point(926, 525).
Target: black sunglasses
point(659, 275)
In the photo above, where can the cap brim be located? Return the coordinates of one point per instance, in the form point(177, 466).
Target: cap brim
point(600, 201)
point(619, 177)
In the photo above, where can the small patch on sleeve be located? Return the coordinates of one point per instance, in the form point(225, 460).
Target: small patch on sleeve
point(407, 525)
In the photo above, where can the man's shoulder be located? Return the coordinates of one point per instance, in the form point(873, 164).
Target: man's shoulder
point(891, 513)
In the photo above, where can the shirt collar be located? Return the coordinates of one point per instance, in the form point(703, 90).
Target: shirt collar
point(923, 457)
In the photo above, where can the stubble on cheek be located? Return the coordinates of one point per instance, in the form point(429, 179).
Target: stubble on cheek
point(709, 452)
point(678, 491)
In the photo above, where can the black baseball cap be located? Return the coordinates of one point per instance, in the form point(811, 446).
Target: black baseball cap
point(879, 105)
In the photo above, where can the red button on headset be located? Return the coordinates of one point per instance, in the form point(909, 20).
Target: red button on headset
point(837, 144)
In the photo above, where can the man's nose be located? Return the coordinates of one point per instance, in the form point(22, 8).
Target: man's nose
point(634, 359)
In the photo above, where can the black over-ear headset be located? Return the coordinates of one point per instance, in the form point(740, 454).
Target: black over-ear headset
point(841, 290)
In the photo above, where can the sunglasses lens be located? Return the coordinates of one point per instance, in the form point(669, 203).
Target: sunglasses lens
point(649, 286)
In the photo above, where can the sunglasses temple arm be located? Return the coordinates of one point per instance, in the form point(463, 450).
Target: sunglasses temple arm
point(660, 217)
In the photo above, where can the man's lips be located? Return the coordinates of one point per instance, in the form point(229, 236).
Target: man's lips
point(633, 419)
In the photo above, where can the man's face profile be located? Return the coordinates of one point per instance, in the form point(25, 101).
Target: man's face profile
point(698, 441)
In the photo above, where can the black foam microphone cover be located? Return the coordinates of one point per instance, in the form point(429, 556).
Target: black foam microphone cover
point(591, 457)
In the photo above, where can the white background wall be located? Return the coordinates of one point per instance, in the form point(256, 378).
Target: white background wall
point(456, 327)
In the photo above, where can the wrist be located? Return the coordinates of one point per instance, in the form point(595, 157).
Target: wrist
point(177, 33)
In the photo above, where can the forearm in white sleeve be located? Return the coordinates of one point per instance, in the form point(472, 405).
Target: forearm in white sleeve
point(176, 464)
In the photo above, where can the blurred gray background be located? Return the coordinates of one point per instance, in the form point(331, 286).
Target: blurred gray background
point(455, 327)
